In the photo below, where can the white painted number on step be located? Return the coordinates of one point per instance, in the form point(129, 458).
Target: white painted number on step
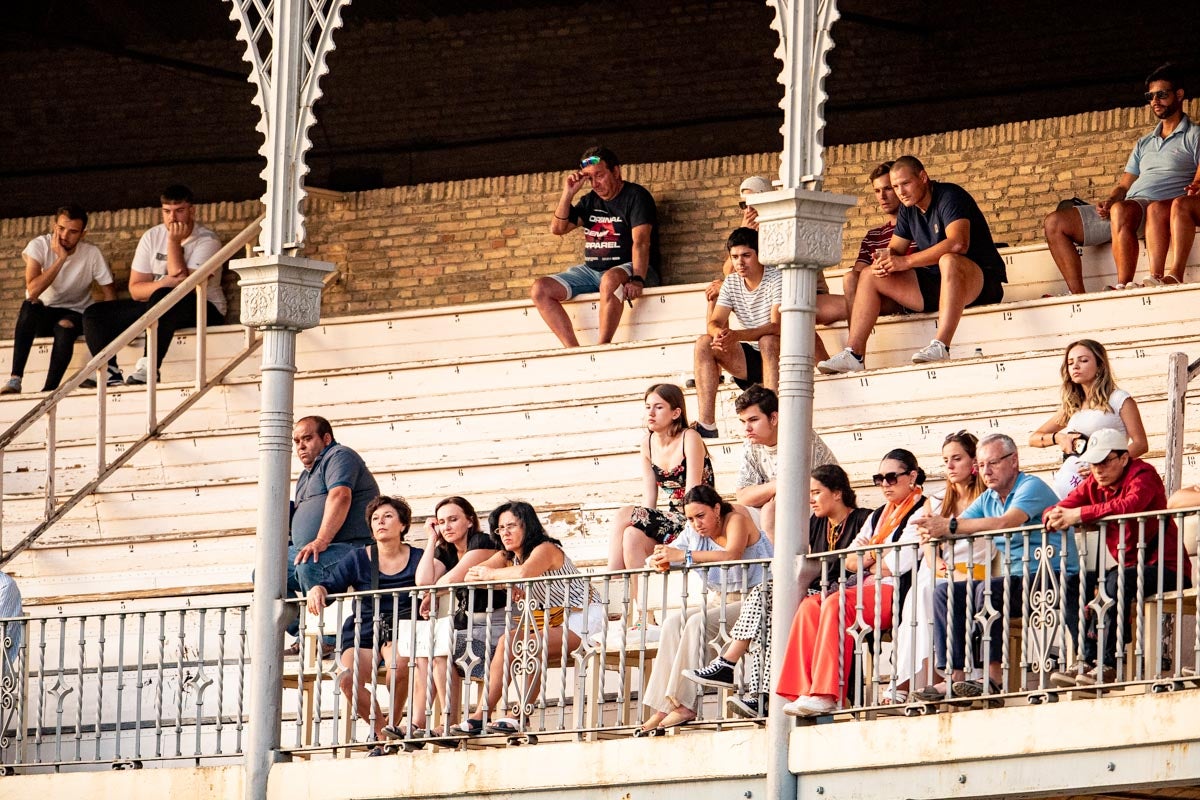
point(924, 430)
point(1000, 367)
point(993, 423)
point(863, 382)
point(1146, 300)
point(1006, 315)
point(1139, 353)
point(931, 374)
point(1076, 308)
point(857, 436)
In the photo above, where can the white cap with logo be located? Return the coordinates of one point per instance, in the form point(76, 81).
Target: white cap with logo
point(1103, 442)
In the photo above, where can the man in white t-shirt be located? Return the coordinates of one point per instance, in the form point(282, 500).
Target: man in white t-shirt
point(60, 269)
point(751, 355)
point(165, 256)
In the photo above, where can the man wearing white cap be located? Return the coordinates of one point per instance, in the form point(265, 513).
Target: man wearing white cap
point(1119, 484)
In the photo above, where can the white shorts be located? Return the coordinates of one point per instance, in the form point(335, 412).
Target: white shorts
point(436, 631)
point(586, 624)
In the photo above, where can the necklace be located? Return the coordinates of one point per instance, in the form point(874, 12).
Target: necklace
point(832, 529)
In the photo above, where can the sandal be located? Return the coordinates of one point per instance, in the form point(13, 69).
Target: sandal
point(469, 726)
point(1152, 282)
point(505, 725)
point(931, 694)
point(1171, 280)
point(894, 697)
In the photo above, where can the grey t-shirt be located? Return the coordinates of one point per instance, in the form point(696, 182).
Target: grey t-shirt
point(337, 465)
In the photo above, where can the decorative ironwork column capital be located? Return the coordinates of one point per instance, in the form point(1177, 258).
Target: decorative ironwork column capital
point(281, 292)
point(797, 227)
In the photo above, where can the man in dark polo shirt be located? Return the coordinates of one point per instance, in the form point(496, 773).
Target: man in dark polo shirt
point(620, 246)
point(329, 519)
point(956, 265)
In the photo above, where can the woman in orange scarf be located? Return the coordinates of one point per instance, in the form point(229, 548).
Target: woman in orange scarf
point(810, 676)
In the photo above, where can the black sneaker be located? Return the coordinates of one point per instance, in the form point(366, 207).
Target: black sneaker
point(719, 674)
point(744, 707)
point(706, 433)
point(115, 378)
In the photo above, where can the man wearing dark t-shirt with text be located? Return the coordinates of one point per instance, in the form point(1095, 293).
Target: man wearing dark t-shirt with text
point(620, 249)
point(956, 265)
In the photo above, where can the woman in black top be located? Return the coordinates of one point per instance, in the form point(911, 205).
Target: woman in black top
point(456, 543)
point(367, 634)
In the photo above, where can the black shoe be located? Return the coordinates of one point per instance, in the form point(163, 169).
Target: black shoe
point(744, 707)
point(719, 674)
point(706, 433)
point(115, 378)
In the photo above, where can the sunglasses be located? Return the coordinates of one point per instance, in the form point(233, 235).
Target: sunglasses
point(1160, 95)
point(961, 436)
point(890, 478)
point(742, 205)
point(590, 161)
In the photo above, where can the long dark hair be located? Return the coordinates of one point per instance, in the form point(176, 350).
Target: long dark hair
point(672, 395)
point(445, 550)
point(909, 461)
point(835, 479)
point(535, 534)
point(706, 495)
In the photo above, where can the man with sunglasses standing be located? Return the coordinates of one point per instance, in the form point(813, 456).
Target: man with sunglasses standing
point(1161, 167)
point(620, 249)
point(1013, 498)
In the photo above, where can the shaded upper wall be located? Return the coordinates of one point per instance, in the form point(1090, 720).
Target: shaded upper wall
point(482, 239)
point(106, 101)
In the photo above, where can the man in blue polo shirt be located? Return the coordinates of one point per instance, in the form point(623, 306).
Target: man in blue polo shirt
point(956, 265)
point(329, 519)
point(1013, 498)
point(1161, 167)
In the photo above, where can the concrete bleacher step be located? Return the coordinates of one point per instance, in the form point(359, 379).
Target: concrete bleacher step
point(442, 404)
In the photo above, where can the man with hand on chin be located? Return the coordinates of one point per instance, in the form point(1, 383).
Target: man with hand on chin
point(165, 256)
point(620, 250)
point(60, 269)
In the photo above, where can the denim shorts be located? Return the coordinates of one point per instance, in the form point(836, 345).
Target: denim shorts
point(582, 279)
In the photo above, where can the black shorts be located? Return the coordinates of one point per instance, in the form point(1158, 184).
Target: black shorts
point(754, 371)
point(930, 281)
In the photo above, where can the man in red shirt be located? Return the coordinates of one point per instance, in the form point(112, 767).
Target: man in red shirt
point(1121, 484)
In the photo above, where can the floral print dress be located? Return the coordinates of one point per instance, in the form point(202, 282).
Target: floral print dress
point(664, 526)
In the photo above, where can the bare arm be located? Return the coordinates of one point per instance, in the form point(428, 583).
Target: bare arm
point(472, 558)
point(1132, 418)
point(649, 482)
point(37, 281)
point(108, 292)
point(561, 223)
point(142, 284)
point(695, 451)
point(1117, 194)
point(957, 241)
point(429, 569)
point(718, 320)
point(757, 495)
point(754, 334)
point(544, 557)
point(640, 260)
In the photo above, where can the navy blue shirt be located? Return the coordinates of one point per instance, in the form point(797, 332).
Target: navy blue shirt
point(337, 465)
point(608, 226)
point(354, 571)
point(949, 203)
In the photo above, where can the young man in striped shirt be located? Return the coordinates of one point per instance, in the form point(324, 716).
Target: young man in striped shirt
point(753, 292)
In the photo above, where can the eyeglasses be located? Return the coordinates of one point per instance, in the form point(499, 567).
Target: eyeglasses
point(510, 527)
point(890, 478)
point(590, 161)
point(995, 462)
point(1109, 458)
point(1160, 95)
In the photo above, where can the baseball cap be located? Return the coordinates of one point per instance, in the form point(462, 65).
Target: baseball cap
point(755, 183)
point(1103, 442)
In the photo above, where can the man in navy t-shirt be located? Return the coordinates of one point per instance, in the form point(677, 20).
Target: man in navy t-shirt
point(956, 265)
point(620, 249)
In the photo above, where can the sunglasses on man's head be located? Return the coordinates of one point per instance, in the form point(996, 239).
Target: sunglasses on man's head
point(890, 478)
point(1160, 95)
point(590, 161)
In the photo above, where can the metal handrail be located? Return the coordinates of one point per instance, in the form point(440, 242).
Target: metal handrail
point(147, 323)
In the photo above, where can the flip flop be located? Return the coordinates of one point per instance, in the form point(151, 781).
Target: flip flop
point(469, 726)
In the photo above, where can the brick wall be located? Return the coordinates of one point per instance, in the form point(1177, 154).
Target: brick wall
point(484, 239)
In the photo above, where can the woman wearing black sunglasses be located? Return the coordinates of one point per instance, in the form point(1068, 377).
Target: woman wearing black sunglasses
point(810, 677)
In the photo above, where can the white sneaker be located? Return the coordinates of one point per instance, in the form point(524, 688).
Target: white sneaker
point(844, 361)
point(934, 351)
point(139, 376)
point(809, 706)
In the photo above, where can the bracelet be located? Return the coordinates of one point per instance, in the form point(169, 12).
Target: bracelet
point(564, 219)
point(638, 279)
point(687, 558)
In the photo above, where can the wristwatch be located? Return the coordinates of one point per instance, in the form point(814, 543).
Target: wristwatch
point(1080, 444)
point(953, 525)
